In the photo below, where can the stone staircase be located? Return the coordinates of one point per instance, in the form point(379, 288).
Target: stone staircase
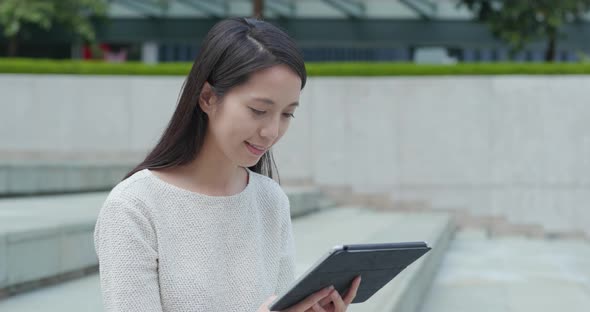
point(494, 224)
point(46, 246)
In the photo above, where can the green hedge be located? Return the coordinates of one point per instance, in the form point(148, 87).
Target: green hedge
point(29, 66)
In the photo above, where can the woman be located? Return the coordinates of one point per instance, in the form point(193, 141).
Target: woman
point(200, 225)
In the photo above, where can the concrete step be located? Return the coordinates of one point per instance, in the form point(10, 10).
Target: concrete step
point(502, 274)
point(314, 235)
point(304, 200)
point(45, 239)
point(47, 236)
point(38, 178)
point(79, 295)
point(502, 225)
point(35, 178)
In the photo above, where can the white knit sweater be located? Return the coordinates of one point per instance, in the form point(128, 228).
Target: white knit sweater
point(164, 248)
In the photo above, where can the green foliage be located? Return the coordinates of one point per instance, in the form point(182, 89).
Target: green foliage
point(94, 67)
point(15, 13)
point(28, 66)
point(75, 15)
point(583, 57)
point(519, 22)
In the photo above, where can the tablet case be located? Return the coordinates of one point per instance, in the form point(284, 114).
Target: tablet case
point(376, 263)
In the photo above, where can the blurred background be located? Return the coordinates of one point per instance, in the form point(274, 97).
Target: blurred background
point(462, 123)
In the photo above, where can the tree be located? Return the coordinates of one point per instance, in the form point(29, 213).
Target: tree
point(73, 15)
point(258, 8)
point(519, 22)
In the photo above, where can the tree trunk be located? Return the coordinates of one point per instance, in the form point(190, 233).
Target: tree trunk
point(12, 46)
point(258, 8)
point(551, 46)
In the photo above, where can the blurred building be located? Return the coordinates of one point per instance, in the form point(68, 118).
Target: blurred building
point(327, 30)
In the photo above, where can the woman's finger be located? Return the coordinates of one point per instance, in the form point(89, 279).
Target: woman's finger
point(317, 308)
point(268, 301)
point(338, 303)
point(308, 302)
point(327, 299)
point(351, 293)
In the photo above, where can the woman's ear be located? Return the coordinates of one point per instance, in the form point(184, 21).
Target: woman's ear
point(207, 99)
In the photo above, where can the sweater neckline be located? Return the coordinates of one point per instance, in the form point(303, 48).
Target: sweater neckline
point(184, 191)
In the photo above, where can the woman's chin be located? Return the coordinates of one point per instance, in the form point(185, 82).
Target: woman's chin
point(247, 163)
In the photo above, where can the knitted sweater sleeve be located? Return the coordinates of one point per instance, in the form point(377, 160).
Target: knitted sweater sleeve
point(287, 262)
point(125, 242)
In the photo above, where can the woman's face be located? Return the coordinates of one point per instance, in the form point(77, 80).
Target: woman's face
point(255, 115)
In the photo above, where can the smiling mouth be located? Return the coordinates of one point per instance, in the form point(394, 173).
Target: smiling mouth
point(257, 146)
point(255, 149)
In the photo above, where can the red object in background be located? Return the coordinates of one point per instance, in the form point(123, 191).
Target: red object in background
point(87, 50)
point(105, 48)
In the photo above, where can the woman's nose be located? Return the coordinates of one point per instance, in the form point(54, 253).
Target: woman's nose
point(270, 130)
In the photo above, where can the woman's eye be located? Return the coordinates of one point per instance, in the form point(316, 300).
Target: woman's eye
point(257, 112)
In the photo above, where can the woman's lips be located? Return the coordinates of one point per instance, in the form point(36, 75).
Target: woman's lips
point(254, 150)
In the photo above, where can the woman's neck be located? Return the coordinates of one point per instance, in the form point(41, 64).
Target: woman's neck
point(210, 173)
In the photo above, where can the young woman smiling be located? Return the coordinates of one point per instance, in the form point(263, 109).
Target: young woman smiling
point(200, 225)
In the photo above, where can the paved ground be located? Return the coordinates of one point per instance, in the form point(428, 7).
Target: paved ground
point(512, 274)
point(78, 295)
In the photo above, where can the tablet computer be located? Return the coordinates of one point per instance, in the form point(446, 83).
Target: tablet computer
point(376, 263)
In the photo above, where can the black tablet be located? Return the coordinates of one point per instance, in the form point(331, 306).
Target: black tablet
point(376, 263)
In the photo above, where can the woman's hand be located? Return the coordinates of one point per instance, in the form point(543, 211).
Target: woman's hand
point(334, 302)
point(325, 300)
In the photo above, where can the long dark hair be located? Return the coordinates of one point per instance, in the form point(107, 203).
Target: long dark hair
point(233, 49)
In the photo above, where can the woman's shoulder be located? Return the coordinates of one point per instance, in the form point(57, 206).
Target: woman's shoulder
point(269, 186)
point(124, 211)
point(130, 191)
point(134, 183)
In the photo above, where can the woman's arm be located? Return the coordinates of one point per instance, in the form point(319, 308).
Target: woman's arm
point(126, 246)
point(287, 263)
